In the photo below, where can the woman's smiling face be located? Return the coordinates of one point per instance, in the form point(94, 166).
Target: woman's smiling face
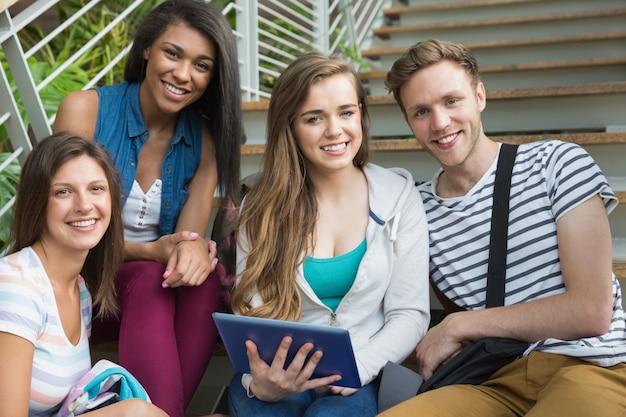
point(79, 206)
point(180, 65)
point(327, 126)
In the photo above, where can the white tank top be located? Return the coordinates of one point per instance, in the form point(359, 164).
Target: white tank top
point(142, 212)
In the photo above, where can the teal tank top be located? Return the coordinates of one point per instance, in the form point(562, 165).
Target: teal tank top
point(331, 278)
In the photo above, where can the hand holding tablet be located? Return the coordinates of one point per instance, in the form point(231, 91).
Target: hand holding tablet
point(267, 334)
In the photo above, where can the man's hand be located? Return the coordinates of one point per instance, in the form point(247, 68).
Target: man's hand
point(435, 349)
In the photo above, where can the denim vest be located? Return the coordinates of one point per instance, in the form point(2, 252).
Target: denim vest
point(121, 130)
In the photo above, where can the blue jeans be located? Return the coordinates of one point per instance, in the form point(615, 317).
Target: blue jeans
point(362, 403)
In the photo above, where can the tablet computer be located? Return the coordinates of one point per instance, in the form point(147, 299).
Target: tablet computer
point(334, 342)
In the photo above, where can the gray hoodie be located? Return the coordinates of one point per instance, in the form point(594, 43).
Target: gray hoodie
point(387, 309)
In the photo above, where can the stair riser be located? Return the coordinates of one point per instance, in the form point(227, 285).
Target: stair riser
point(536, 78)
point(505, 55)
point(532, 8)
point(511, 31)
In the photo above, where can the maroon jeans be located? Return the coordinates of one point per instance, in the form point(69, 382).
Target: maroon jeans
point(166, 335)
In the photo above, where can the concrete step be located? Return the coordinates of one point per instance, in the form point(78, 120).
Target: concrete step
point(460, 11)
point(513, 27)
point(533, 74)
point(481, 3)
point(606, 44)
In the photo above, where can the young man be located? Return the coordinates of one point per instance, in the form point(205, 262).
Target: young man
point(561, 294)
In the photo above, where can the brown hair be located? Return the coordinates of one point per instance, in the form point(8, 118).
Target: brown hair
point(29, 213)
point(427, 53)
point(280, 210)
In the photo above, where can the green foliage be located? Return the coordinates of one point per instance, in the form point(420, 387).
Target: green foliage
point(8, 183)
point(58, 51)
point(49, 58)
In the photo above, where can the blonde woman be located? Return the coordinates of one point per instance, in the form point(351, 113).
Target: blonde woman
point(326, 237)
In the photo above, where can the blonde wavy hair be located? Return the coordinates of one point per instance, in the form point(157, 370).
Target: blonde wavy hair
point(280, 211)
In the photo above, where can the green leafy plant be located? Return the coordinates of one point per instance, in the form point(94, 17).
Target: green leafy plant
point(8, 187)
point(50, 57)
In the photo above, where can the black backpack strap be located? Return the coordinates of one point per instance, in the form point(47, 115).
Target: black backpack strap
point(496, 271)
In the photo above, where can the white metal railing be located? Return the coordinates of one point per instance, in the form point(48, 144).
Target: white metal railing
point(269, 35)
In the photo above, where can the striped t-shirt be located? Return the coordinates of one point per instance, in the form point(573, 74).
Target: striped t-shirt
point(549, 179)
point(28, 309)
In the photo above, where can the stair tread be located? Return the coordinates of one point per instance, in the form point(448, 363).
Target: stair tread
point(533, 92)
point(387, 30)
point(377, 52)
point(526, 66)
point(410, 144)
point(396, 11)
point(497, 94)
point(547, 92)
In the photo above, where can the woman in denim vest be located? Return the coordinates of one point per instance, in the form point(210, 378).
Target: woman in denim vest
point(173, 129)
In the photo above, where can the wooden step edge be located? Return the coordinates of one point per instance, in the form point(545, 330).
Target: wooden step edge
point(261, 105)
point(531, 92)
point(526, 66)
point(551, 92)
point(497, 94)
point(372, 75)
point(546, 65)
point(376, 53)
point(395, 11)
point(410, 144)
point(253, 149)
point(385, 31)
